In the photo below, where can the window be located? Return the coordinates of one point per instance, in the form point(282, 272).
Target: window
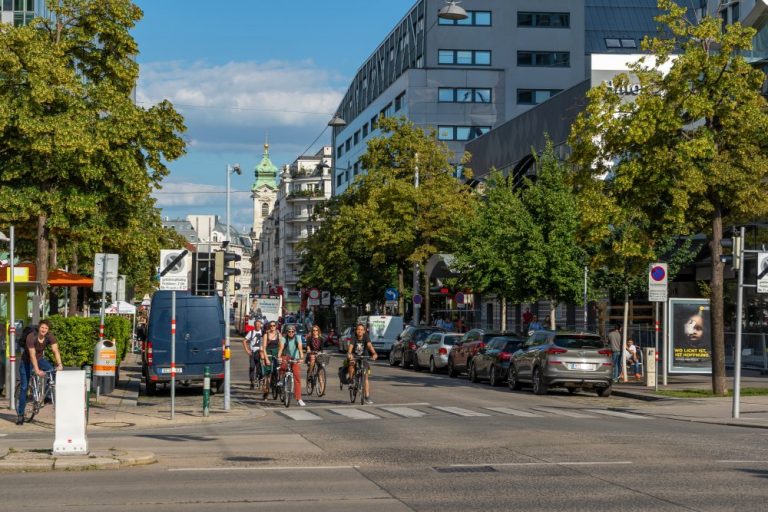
point(365, 130)
point(340, 151)
point(357, 137)
point(265, 209)
point(544, 19)
point(474, 18)
point(356, 168)
point(544, 59)
point(534, 96)
point(612, 42)
point(735, 14)
point(446, 95)
point(374, 122)
point(461, 133)
point(399, 101)
point(464, 95)
point(348, 144)
point(464, 57)
point(338, 180)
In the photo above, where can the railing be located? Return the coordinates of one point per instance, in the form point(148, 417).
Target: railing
point(306, 194)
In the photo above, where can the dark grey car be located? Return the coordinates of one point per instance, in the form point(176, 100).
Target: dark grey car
point(570, 359)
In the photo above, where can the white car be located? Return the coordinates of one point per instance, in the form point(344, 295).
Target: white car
point(433, 353)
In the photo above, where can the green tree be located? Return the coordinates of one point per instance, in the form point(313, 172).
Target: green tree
point(689, 153)
point(78, 158)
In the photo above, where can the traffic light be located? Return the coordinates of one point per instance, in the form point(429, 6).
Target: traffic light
point(735, 243)
point(222, 269)
point(202, 265)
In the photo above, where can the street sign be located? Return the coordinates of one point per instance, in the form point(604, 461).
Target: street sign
point(391, 294)
point(121, 288)
point(325, 298)
point(657, 282)
point(313, 297)
point(418, 299)
point(762, 272)
point(110, 261)
point(459, 297)
point(174, 269)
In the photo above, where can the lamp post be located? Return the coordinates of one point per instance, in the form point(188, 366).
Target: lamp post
point(335, 122)
point(227, 365)
point(416, 306)
point(11, 320)
point(452, 11)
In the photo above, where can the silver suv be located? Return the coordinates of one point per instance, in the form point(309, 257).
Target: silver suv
point(571, 359)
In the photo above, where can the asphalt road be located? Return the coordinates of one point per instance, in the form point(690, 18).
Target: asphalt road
point(427, 443)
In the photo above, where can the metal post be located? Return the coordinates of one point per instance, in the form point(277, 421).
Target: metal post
point(12, 327)
point(737, 355)
point(586, 274)
point(416, 307)
point(103, 295)
point(207, 391)
point(227, 366)
point(173, 355)
point(665, 340)
point(656, 346)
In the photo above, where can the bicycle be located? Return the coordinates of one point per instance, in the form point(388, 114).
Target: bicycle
point(286, 384)
point(274, 378)
point(38, 390)
point(358, 380)
point(316, 375)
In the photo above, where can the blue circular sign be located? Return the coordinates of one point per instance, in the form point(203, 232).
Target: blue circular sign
point(658, 273)
point(418, 299)
point(459, 298)
point(391, 294)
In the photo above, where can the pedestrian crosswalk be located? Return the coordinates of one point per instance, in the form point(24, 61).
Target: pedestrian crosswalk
point(423, 410)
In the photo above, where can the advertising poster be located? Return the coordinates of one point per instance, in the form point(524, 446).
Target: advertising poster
point(690, 336)
point(266, 308)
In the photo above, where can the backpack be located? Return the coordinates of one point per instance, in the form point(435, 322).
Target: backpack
point(21, 342)
point(343, 376)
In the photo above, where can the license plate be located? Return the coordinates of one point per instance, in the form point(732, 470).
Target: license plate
point(168, 370)
point(581, 366)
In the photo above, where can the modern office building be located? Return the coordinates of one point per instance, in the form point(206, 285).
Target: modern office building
point(304, 185)
point(21, 12)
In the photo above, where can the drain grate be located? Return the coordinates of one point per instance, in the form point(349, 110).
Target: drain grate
point(465, 469)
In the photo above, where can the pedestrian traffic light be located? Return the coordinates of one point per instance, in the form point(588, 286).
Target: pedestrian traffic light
point(735, 243)
point(222, 268)
point(203, 272)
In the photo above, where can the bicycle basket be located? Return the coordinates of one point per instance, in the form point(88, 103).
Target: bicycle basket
point(323, 359)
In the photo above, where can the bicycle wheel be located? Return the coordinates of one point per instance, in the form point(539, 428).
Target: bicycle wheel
point(273, 384)
point(288, 389)
point(311, 378)
point(320, 381)
point(353, 388)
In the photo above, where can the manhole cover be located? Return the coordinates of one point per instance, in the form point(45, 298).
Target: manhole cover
point(465, 469)
point(113, 424)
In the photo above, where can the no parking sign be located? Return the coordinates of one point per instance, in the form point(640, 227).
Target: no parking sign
point(657, 282)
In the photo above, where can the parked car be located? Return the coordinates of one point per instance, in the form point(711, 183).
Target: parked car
point(461, 356)
point(404, 349)
point(433, 353)
point(492, 361)
point(571, 359)
point(345, 339)
point(383, 330)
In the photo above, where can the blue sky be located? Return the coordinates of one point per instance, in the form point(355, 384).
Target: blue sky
point(242, 70)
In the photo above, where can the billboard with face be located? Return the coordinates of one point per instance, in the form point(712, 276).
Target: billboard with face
point(689, 336)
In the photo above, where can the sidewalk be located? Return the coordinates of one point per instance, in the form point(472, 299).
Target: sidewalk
point(753, 409)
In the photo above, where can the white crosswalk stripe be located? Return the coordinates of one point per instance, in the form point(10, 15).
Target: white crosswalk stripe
point(355, 414)
point(619, 414)
point(563, 412)
point(299, 415)
point(458, 411)
point(514, 412)
point(405, 412)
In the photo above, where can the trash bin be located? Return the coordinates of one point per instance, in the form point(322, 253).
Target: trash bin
point(650, 366)
point(104, 366)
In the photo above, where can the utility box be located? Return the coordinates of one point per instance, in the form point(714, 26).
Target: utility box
point(71, 414)
point(104, 366)
point(649, 359)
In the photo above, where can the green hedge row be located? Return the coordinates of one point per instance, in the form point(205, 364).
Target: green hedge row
point(77, 337)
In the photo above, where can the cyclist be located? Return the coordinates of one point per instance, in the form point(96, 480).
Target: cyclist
point(33, 360)
point(270, 346)
point(291, 345)
point(252, 345)
point(358, 345)
point(315, 345)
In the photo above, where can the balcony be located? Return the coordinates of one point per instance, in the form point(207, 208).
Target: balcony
point(297, 217)
point(305, 195)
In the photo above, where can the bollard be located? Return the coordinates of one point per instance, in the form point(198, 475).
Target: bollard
point(207, 391)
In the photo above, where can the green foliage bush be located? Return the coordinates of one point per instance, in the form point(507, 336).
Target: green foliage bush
point(77, 337)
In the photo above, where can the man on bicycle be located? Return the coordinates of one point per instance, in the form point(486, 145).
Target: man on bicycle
point(291, 345)
point(359, 344)
point(252, 345)
point(33, 360)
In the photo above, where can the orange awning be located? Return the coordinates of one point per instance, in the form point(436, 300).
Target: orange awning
point(62, 278)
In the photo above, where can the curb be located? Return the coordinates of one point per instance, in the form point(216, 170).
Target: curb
point(44, 460)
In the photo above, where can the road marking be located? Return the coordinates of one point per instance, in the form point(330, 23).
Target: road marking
point(458, 411)
point(563, 412)
point(742, 461)
point(355, 414)
point(266, 468)
point(619, 414)
point(405, 412)
point(3, 435)
point(514, 412)
point(512, 464)
point(326, 407)
point(300, 415)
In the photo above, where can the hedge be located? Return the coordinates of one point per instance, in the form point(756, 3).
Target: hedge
point(77, 337)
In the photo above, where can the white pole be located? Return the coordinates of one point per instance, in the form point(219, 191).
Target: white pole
point(103, 295)
point(586, 274)
point(665, 340)
point(227, 365)
point(416, 307)
point(173, 355)
point(12, 327)
point(656, 346)
point(739, 307)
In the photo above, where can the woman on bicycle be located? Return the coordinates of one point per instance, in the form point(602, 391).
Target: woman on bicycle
point(291, 346)
point(315, 345)
point(359, 344)
point(270, 347)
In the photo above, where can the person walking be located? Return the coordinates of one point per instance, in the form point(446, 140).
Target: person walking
point(614, 339)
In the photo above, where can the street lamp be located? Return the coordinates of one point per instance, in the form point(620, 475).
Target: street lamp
point(11, 318)
point(452, 11)
point(335, 122)
point(231, 169)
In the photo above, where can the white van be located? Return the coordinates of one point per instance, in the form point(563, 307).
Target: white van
point(383, 330)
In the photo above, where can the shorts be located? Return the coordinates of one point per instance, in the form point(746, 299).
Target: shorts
point(345, 364)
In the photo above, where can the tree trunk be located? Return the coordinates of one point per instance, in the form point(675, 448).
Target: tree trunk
point(401, 288)
point(42, 265)
point(503, 314)
point(552, 313)
point(72, 308)
point(53, 307)
point(717, 308)
point(426, 297)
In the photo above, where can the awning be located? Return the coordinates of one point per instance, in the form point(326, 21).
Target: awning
point(63, 278)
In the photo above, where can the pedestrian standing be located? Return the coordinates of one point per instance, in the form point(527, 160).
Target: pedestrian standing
point(527, 319)
point(614, 338)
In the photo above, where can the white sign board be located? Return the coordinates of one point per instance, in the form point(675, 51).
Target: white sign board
point(762, 266)
point(110, 262)
point(325, 298)
point(70, 413)
point(657, 282)
point(177, 277)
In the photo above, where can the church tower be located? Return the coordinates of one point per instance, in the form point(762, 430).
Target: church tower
point(264, 194)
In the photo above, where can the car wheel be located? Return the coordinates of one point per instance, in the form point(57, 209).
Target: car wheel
point(604, 392)
point(451, 370)
point(392, 360)
point(514, 379)
point(406, 364)
point(432, 368)
point(493, 378)
point(539, 385)
point(416, 365)
point(151, 387)
point(573, 391)
point(473, 373)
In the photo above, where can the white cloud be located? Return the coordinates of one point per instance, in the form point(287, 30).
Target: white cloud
point(189, 194)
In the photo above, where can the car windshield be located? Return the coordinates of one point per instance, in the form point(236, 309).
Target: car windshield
point(450, 340)
point(511, 344)
point(422, 334)
point(575, 342)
